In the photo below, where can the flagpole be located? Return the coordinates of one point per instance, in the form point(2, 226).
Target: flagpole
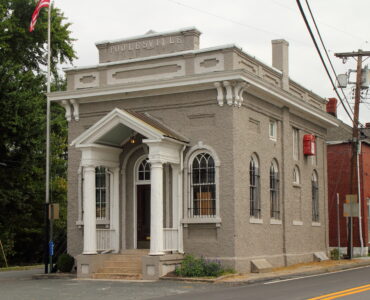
point(47, 184)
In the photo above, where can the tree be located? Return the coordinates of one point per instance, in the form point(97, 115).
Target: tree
point(22, 125)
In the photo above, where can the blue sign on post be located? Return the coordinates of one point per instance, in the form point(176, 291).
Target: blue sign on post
point(51, 248)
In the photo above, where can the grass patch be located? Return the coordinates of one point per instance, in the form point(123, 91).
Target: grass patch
point(21, 268)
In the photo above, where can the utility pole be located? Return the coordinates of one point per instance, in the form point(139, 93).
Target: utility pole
point(355, 133)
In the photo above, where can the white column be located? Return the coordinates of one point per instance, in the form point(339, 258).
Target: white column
point(156, 208)
point(89, 204)
point(175, 196)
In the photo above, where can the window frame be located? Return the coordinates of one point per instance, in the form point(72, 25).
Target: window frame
point(107, 189)
point(254, 188)
point(204, 205)
point(193, 152)
point(315, 197)
point(273, 130)
point(295, 134)
point(274, 191)
point(296, 176)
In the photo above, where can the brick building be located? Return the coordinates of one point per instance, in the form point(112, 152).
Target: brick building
point(339, 153)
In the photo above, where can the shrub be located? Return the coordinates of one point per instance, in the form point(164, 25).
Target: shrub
point(334, 254)
point(199, 267)
point(65, 262)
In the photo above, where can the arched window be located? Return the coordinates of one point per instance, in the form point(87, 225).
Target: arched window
point(274, 190)
point(296, 175)
point(254, 188)
point(315, 197)
point(203, 186)
point(102, 179)
point(143, 173)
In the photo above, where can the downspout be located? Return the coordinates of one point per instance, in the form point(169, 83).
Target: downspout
point(181, 200)
point(359, 197)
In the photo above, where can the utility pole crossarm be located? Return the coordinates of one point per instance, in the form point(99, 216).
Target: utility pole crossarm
point(353, 54)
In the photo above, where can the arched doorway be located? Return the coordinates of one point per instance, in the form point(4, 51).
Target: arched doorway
point(142, 189)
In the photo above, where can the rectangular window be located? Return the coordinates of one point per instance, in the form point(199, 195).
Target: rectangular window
point(273, 130)
point(295, 144)
point(101, 192)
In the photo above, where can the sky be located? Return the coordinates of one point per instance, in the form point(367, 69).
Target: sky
point(250, 24)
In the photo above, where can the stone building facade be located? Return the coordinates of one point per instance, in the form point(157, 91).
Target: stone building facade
point(186, 150)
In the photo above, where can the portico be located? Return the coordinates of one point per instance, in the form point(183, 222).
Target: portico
point(102, 202)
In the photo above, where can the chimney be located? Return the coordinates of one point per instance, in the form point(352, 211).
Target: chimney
point(331, 106)
point(280, 59)
point(367, 125)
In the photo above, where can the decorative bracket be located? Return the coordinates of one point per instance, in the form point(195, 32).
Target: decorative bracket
point(231, 92)
point(69, 106)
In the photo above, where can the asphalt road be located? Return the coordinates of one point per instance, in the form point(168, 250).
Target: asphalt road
point(16, 285)
point(311, 287)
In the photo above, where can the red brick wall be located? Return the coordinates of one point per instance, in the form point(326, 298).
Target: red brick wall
point(339, 173)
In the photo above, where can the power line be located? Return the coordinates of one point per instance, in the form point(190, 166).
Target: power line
point(321, 57)
point(326, 52)
point(270, 33)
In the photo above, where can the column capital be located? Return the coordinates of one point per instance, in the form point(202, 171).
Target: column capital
point(89, 168)
point(157, 163)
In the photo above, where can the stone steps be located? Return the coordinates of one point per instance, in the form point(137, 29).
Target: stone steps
point(122, 276)
point(124, 266)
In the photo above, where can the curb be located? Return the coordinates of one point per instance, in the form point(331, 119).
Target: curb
point(219, 280)
point(55, 276)
point(325, 270)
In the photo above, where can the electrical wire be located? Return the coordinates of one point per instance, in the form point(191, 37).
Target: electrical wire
point(321, 57)
point(326, 52)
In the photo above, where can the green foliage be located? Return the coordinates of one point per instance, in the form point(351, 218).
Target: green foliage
point(22, 128)
point(65, 263)
point(200, 267)
point(334, 254)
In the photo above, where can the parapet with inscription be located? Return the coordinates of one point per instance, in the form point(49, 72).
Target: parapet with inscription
point(150, 44)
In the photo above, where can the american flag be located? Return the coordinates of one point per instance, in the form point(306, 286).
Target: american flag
point(40, 4)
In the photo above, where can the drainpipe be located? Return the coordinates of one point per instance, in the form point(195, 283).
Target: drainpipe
point(359, 197)
point(181, 198)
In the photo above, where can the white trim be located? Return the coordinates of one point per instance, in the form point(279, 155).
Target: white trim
point(255, 221)
point(297, 223)
point(275, 222)
point(316, 224)
point(115, 117)
point(198, 80)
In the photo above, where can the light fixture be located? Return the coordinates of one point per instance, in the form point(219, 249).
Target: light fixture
point(132, 138)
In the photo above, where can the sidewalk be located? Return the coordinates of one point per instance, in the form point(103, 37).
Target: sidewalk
point(304, 269)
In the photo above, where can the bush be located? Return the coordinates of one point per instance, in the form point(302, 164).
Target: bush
point(65, 262)
point(334, 254)
point(199, 267)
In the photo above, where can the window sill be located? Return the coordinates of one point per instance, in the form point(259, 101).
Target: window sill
point(273, 139)
point(275, 222)
point(255, 221)
point(316, 224)
point(215, 220)
point(297, 223)
point(297, 185)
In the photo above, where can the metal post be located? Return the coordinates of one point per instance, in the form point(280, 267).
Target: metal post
point(338, 224)
point(47, 181)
